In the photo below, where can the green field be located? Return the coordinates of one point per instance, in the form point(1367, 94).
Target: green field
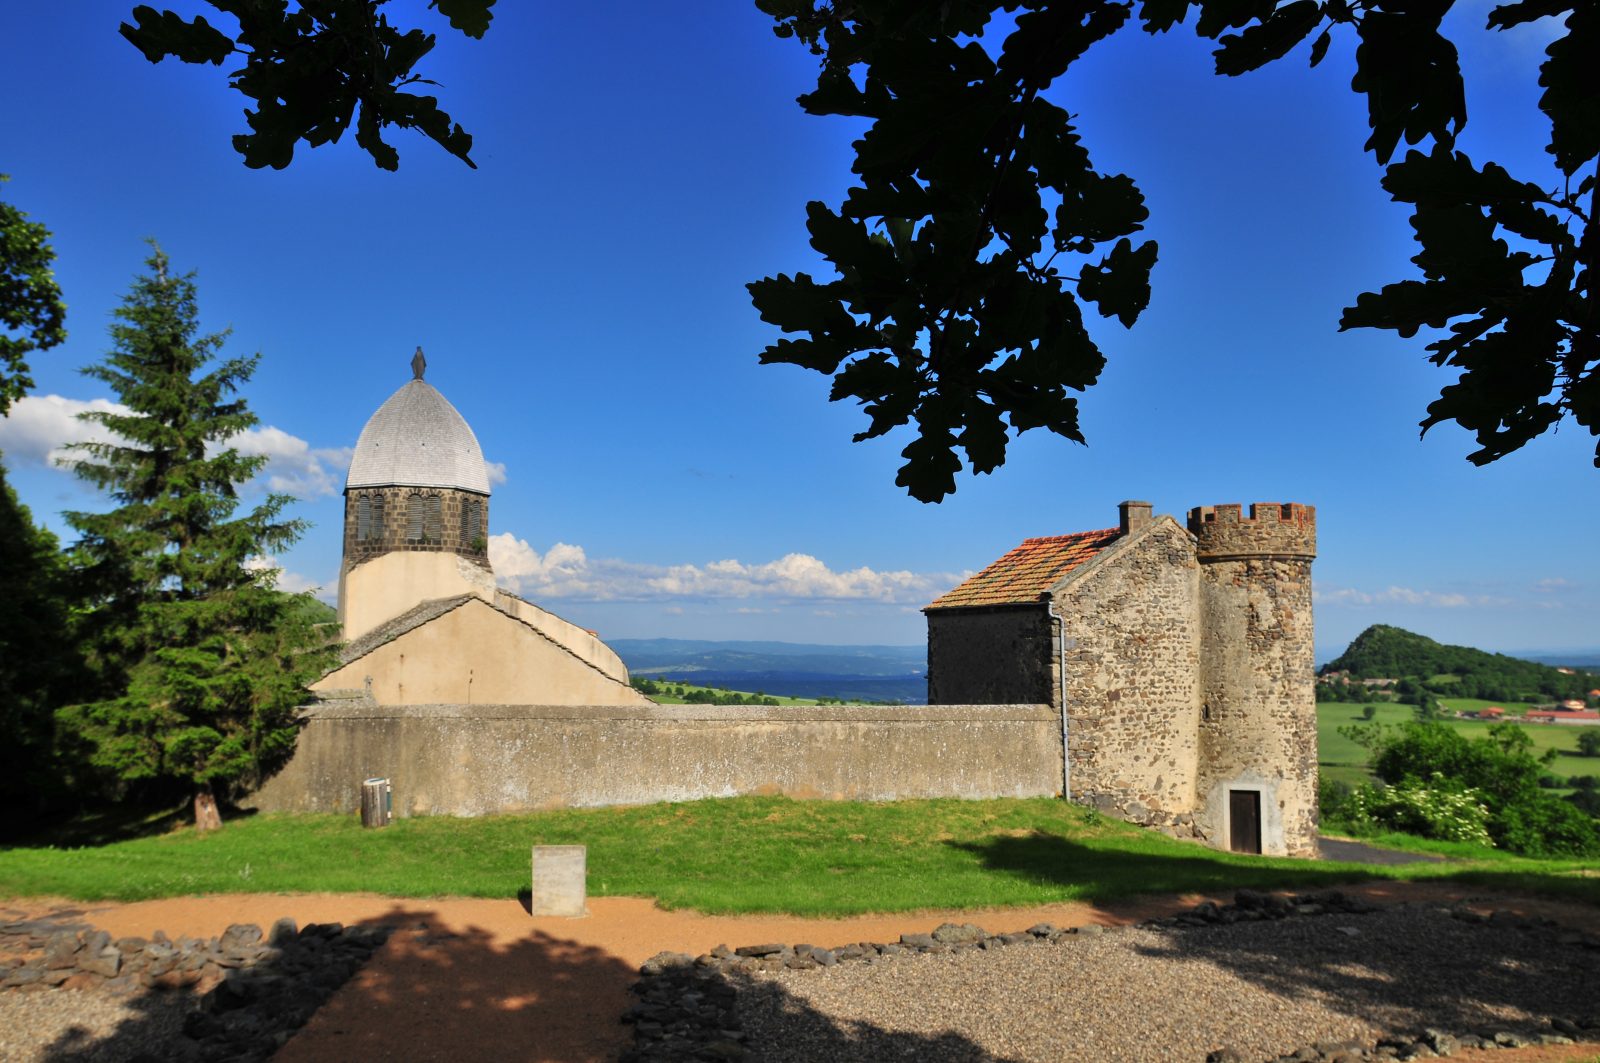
point(749, 854)
point(671, 699)
point(1513, 708)
point(668, 699)
point(1341, 759)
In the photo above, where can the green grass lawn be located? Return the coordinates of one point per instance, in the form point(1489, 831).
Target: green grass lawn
point(751, 854)
point(1340, 758)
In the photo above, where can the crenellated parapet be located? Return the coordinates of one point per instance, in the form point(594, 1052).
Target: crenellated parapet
point(1286, 531)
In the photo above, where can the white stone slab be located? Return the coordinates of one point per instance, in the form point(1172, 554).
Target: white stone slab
point(560, 880)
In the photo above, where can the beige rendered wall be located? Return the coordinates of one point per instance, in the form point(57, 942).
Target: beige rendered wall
point(576, 639)
point(383, 588)
point(476, 654)
point(473, 760)
point(1132, 688)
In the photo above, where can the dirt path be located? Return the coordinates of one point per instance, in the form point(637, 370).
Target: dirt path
point(469, 979)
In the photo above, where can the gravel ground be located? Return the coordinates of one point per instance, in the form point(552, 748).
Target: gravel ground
point(1263, 989)
point(78, 1024)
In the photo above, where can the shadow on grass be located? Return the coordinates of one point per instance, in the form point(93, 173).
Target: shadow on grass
point(105, 826)
point(1103, 874)
point(1100, 874)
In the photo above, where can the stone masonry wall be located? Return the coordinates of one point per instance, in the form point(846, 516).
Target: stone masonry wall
point(477, 759)
point(1258, 720)
point(1132, 657)
point(393, 535)
point(990, 656)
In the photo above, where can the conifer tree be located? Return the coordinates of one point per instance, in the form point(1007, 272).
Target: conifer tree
point(212, 658)
point(38, 655)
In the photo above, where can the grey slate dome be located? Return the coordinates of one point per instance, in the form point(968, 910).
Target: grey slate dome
point(417, 439)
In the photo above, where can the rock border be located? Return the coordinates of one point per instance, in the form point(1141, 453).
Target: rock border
point(687, 1010)
point(252, 990)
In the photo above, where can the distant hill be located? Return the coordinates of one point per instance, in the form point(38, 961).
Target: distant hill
point(1589, 660)
point(1391, 652)
point(793, 669)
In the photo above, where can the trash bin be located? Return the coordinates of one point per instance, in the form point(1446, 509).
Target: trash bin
point(377, 802)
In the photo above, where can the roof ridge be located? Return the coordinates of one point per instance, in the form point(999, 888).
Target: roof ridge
point(1070, 535)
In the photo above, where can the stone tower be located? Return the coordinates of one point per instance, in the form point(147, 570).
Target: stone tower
point(416, 510)
point(1258, 722)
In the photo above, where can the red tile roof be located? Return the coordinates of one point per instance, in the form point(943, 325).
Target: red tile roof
point(1022, 575)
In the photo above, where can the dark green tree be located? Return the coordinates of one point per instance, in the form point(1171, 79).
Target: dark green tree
point(315, 69)
point(38, 658)
point(32, 315)
point(1589, 742)
point(212, 659)
point(961, 139)
point(979, 231)
point(1503, 768)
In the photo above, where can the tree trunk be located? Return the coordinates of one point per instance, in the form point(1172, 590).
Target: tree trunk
point(206, 816)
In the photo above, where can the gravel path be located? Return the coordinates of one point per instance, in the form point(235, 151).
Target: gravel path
point(1262, 989)
point(77, 1024)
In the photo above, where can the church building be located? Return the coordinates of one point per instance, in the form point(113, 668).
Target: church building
point(421, 618)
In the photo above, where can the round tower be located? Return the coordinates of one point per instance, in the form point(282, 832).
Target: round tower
point(1257, 779)
point(416, 509)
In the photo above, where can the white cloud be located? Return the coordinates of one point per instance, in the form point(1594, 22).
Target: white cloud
point(1554, 585)
point(40, 427)
point(1404, 596)
point(496, 471)
point(566, 571)
point(292, 582)
point(293, 466)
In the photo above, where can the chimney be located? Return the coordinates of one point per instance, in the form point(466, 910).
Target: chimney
point(1134, 515)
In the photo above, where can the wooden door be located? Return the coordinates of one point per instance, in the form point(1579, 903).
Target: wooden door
point(1244, 821)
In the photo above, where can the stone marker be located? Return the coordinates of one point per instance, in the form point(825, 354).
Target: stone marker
point(560, 875)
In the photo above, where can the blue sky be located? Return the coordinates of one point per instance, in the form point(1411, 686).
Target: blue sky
point(581, 300)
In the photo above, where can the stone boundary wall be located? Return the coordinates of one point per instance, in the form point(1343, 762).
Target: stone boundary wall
point(470, 760)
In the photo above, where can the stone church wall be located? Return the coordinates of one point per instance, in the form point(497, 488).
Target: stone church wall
point(1132, 656)
point(472, 760)
point(392, 532)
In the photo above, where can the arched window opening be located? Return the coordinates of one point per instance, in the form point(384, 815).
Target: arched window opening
point(377, 516)
point(471, 523)
point(433, 527)
point(416, 507)
point(363, 518)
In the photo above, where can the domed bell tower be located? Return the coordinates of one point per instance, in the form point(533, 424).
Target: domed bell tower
point(416, 509)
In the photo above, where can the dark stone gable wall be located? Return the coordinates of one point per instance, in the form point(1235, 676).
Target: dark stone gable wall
point(393, 535)
point(993, 655)
point(1133, 653)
